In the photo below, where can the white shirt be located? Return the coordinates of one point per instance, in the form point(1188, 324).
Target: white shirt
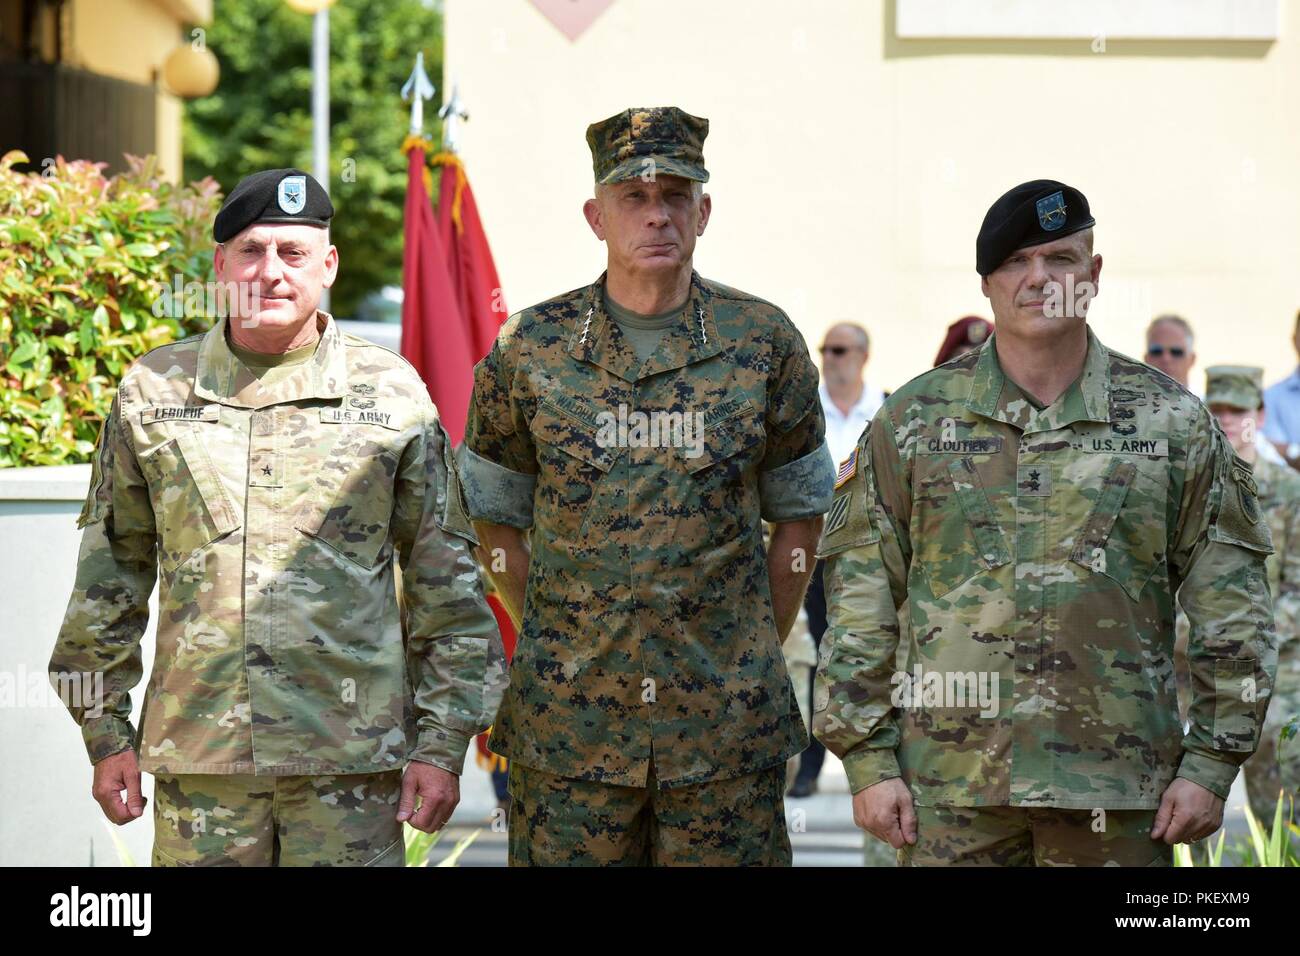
point(844, 430)
point(1264, 448)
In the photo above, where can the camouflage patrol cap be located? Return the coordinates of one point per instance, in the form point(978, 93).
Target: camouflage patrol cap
point(648, 141)
point(1241, 386)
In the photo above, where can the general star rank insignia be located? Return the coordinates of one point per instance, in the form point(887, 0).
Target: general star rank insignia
point(848, 468)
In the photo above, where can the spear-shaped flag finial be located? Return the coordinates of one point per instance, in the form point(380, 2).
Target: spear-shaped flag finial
point(417, 89)
point(452, 113)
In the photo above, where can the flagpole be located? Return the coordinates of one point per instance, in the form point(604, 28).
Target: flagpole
point(452, 113)
point(320, 109)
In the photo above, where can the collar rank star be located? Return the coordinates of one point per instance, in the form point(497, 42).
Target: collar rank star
point(1034, 481)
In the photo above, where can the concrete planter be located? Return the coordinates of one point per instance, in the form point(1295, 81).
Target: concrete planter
point(49, 817)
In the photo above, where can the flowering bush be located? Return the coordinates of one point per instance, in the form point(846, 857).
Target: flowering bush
point(82, 258)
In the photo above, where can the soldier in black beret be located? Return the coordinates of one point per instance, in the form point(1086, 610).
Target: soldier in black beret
point(276, 478)
point(1038, 504)
point(272, 236)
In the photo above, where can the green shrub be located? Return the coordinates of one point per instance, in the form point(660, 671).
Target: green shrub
point(82, 258)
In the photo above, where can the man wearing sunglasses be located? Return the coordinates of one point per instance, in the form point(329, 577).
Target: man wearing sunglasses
point(1169, 348)
point(848, 403)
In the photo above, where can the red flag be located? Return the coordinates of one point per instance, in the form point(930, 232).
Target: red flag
point(486, 758)
point(469, 258)
point(435, 338)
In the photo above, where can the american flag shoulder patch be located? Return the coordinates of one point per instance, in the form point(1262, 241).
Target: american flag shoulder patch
point(848, 468)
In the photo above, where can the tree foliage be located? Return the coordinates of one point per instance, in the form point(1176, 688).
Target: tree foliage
point(259, 117)
point(82, 261)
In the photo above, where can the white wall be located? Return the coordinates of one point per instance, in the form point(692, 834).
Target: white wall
point(851, 169)
point(49, 817)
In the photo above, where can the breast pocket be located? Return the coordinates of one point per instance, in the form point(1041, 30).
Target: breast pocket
point(1123, 536)
point(575, 457)
point(351, 506)
point(960, 532)
point(722, 466)
point(191, 508)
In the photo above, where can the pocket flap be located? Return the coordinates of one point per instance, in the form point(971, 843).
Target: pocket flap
point(573, 432)
point(205, 477)
point(724, 436)
point(1096, 529)
point(989, 542)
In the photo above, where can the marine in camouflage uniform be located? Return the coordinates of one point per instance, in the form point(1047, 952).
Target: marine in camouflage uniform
point(1039, 550)
point(1236, 394)
point(649, 713)
point(273, 512)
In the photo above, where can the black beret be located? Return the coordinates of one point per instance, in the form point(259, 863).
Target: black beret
point(273, 195)
point(1029, 215)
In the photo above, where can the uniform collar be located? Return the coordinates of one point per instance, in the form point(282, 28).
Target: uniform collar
point(597, 338)
point(221, 377)
point(1086, 400)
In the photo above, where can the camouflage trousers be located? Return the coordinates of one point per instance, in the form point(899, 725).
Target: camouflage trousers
point(557, 821)
point(1033, 836)
point(245, 820)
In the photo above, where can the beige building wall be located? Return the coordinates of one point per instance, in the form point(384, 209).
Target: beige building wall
point(130, 40)
point(851, 169)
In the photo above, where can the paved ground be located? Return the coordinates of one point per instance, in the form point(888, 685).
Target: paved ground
point(821, 826)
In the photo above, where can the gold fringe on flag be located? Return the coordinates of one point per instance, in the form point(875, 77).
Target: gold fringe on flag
point(419, 142)
point(447, 159)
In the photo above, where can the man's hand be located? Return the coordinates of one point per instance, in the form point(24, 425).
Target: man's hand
point(113, 774)
point(1188, 812)
point(438, 790)
point(885, 811)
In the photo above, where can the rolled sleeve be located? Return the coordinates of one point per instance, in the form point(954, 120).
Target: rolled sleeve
point(799, 489)
point(494, 493)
